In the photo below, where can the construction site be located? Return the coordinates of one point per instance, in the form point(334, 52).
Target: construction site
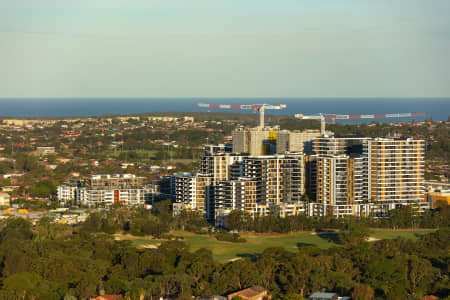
point(268, 170)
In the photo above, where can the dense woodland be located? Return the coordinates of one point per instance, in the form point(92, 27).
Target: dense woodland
point(53, 261)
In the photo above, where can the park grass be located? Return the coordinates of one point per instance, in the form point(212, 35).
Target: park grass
point(225, 251)
point(415, 234)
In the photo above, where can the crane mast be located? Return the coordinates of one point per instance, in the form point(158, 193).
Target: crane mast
point(257, 107)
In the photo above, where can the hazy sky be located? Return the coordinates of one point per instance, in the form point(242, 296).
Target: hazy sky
point(224, 48)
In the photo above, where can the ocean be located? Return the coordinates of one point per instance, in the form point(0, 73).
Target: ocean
point(436, 108)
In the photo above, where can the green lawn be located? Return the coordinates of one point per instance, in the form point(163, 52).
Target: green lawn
point(393, 234)
point(224, 251)
point(255, 244)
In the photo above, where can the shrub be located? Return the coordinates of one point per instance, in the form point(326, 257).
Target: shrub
point(229, 237)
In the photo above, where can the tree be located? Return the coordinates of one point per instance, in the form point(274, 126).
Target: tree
point(44, 228)
point(16, 229)
point(363, 291)
point(43, 189)
point(23, 285)
point(25, 162)
point(239, 274)
point(93, 223)
point(237, 220)
point(115, 286)
point(295, 274)
point(420, 273)
point(353, 234)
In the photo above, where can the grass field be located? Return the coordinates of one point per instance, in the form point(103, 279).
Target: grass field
point(224, 251)
point(393, 234)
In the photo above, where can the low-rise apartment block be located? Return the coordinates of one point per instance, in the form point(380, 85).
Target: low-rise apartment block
point(107, 196)
point(108, 190)
point(115, 180)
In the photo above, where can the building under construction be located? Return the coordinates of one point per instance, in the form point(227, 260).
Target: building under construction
point(271, 140)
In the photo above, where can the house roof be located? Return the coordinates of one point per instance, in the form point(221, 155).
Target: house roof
point(251, 292)
point(108, 297)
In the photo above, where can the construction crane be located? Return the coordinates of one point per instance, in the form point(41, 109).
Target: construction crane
point(258, 107)
point(324, 117)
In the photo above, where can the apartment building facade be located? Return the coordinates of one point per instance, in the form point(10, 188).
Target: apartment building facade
point(66, 192)
point(108, 190)
point(349, 176)
point(255, 184)
point(280, 178)
point(240, 194)
point(396, 172)
point(193, 192)
point(114, 180)
point(109, 196)
point(221, 166)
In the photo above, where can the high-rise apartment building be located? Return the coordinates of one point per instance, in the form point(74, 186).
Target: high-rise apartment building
point(341, 185)
point(193, 192)
point(342, 177)
point(251, 183)
point(280, 178)
point(396, 171)
point(358, 176)
point(239, 194)
point(222, 166)
point(339, 146)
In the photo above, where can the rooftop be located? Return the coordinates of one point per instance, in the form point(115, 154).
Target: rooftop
point(320, 295)
point(251, 292)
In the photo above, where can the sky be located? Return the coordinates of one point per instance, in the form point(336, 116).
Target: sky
point(224, 48)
